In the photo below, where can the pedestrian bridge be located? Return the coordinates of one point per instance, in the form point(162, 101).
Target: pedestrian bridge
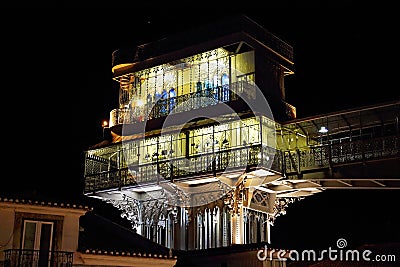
point(355, 149)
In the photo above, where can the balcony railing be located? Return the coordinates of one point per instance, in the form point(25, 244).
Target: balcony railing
point(317, 157)
point(37, 258)
point(227, 160)
point(182, 103)
point(256, 156)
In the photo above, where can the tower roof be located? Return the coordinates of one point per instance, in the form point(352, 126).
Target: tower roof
point(234, 33)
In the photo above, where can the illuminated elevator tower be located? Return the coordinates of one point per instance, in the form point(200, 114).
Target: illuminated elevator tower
point(193, 154)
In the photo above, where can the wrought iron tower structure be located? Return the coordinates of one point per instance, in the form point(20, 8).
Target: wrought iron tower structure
point(203, 150)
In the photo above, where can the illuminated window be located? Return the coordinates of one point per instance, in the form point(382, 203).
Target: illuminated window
point(225, 87)
point(172, 95)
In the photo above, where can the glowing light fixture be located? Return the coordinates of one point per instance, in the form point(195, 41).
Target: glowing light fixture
point(323, 129)
point(105, 127)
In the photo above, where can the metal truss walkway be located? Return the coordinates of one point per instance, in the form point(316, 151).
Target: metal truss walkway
point(352, 149)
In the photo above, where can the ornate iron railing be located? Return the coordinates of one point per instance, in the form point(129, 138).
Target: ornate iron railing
point(37, 258)
point(321, 156)
point(256, 156)
point(240, 158)
point(182, 103)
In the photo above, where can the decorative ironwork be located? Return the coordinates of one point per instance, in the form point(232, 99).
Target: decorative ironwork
point(147, 211)
point(182, 103)
point(315, 157)
point(98, 176)
point(280, 206)
point(130, 209)
point(204, 194)
point(234, 199)
point(174, 195)
point(263, 199)
point(152, 211)
point(37, 258)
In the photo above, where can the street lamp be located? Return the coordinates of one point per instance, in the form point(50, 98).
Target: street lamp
point(105, 127)
point(323, 129)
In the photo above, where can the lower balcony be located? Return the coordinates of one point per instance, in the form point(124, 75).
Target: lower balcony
point(235, 160)
point(37, 258)
point(103, 175)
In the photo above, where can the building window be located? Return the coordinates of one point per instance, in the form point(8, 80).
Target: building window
point(172, 96)
point(225, 88)
point(38, 235)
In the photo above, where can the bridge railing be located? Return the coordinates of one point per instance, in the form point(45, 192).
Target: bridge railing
point(321, 156)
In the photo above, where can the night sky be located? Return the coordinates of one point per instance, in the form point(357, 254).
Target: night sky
point(57, 88)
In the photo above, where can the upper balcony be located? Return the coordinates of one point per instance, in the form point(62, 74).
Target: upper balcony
point(203, 81)
point(204, 102)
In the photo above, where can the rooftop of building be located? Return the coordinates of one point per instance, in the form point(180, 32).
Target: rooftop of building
point(116, 239)
point(209, 35)
point(44, 202)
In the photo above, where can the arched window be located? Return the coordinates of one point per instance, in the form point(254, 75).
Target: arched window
point(149, 105)
point(163, 102)
point(216, 88)
point(172, 99)
point(199, 92)
point(216, 233)
point(199, 87)
point(246, 228)
point(207, 228)
point(200, 231)
point(170, 230)
point(208, 88)
point(157, 104)
point(162, 229)
point(260, 230)
point(226, 227)
point(216, 82)
point(225, 87)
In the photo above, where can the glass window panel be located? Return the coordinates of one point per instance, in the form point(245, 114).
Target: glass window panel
point(37, 235)
point(29, 235)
